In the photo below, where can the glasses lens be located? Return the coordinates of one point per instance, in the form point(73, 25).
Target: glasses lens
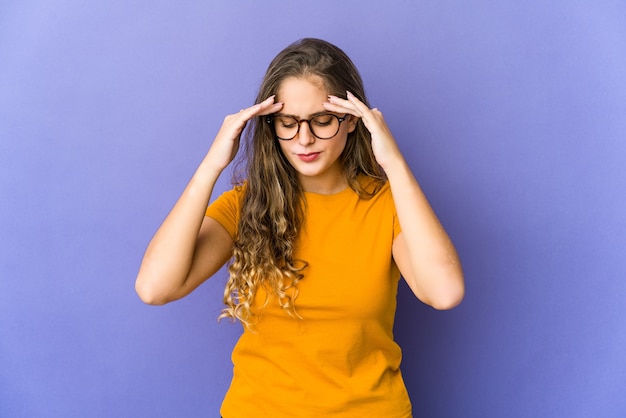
point(324, 126)
point(286, 127)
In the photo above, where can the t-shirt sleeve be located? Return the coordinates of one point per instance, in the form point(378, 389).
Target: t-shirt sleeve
point(392, 207)
point(225, 209)
point(396, 224)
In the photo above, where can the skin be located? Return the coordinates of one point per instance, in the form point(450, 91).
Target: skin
point(303, 98)
point(188, 247)
point(423, 251)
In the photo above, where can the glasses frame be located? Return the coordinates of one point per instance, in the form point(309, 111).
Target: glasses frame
point(270, 119)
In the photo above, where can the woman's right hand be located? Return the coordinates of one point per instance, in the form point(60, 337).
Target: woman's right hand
point(226, 143)
point(189, 247)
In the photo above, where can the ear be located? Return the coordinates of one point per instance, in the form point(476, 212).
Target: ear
point(352, 121)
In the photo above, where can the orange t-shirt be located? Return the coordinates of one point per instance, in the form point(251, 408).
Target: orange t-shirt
point(340, 359)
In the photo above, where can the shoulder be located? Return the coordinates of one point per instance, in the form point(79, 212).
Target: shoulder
point(377, 194)
point(226, 208)
point(233, 195)
point(371, 187)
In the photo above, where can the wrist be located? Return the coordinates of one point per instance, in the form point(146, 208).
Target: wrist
point(393, 164)
point(207, 173)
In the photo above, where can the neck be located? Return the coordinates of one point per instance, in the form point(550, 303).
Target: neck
point(327, 184)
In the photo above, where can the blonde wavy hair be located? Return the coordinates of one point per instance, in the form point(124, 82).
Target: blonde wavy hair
point(272, 206)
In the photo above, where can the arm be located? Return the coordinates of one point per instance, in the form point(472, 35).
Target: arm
point(423, 251)
point(188, 247)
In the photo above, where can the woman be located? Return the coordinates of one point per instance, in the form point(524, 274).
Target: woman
point(327, 219)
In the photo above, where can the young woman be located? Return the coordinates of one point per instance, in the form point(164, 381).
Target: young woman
point(327, 219)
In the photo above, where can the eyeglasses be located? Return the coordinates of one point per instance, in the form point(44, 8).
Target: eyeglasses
point(322, 126)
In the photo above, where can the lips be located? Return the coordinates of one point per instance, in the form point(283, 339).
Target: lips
point(309, 157)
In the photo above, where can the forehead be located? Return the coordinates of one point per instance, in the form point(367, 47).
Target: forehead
point(302, 95)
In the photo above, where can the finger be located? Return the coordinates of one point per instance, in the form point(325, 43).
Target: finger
point(357, 107)
point(342, 103)
point(338, 108)
point(357, 103)
point(273, 108)
point(339, 101)
point(265, 107)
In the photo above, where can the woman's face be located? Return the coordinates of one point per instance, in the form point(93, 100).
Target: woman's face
point(315, 160)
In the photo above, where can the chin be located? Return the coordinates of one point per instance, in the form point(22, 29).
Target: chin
point(309, 172)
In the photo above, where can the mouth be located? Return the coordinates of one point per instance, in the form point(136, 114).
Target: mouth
point(309, 157)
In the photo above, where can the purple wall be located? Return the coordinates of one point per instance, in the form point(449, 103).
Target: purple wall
point(512, 114)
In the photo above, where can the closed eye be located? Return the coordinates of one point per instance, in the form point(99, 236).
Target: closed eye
point(322, 120)
point(287, 122)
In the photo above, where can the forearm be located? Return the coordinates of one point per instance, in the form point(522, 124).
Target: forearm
point(185, 251)
point(169, 255)
point(435, 273)
point(423, 251)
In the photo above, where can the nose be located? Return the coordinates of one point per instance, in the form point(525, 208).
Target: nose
point(305, 136)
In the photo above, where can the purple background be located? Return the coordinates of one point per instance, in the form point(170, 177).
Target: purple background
point(512, 114)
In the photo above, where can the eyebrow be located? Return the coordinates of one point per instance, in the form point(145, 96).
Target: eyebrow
point(312, 115)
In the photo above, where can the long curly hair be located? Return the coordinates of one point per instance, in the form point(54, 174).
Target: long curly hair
point(273, 206)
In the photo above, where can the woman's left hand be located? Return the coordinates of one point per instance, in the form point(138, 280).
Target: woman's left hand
point(384, 145)
point(423, 251)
